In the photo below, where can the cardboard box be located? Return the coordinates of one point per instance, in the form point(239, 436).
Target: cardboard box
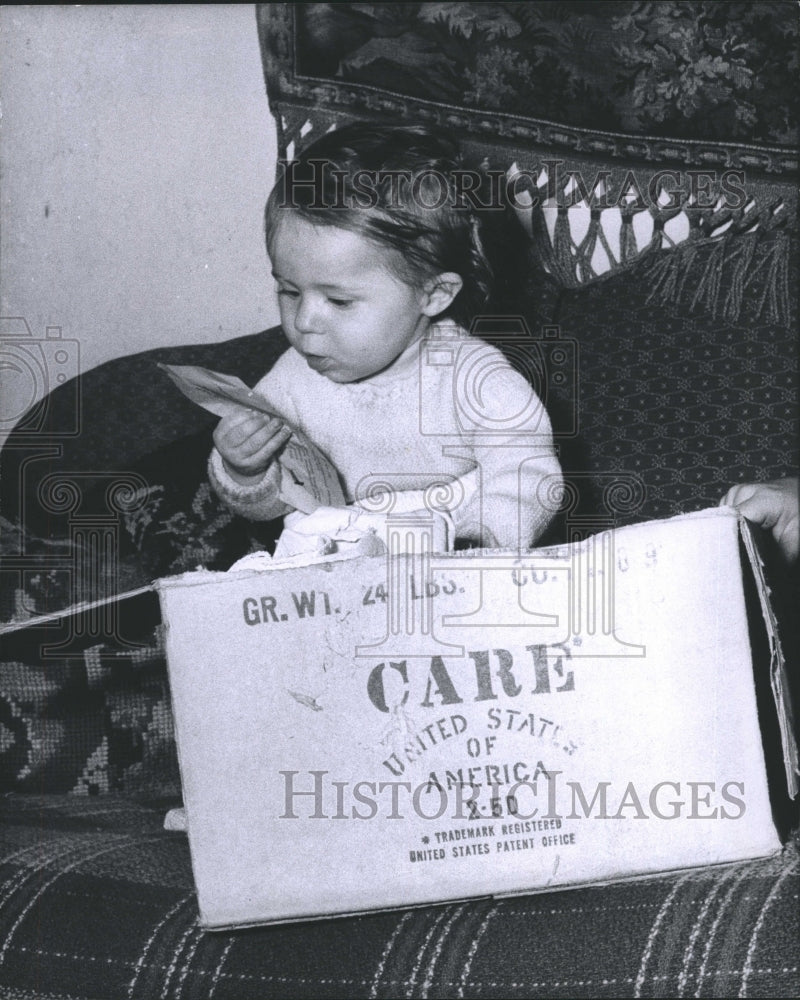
point(378, 733)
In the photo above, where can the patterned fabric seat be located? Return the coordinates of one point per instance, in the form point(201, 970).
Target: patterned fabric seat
point(98, 902)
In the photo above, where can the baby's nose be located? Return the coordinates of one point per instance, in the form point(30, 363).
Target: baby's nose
point(307, 317)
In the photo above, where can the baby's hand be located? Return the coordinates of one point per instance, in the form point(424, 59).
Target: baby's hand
point(248, 442)
point(772, 505)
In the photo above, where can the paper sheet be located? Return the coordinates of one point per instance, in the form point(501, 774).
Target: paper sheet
point(308, 478)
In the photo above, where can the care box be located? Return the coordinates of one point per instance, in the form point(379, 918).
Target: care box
point(399, 730)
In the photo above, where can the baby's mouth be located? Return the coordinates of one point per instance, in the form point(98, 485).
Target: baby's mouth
point(318, 362)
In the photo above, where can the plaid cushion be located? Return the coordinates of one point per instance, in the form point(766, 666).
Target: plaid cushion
point(97, 900)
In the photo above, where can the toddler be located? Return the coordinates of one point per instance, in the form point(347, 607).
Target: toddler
point(379, 255)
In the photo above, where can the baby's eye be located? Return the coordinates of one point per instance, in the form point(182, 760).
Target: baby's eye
point(289, 292)
point(340, 303)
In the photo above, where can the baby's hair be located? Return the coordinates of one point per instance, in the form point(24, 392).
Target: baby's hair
point(406, 189)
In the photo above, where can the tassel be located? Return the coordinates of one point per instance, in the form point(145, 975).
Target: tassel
point(710, 283)
point(587, 247)
point(562, 248)
point(628, 250)
point(545, 248)
point(775, 261)
point(782, 292)
point(663, 267)
point(664, 288)
point(733, 264)
point(685, 268)
point(742, 260)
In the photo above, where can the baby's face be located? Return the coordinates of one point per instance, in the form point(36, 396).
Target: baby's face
point(341, 307)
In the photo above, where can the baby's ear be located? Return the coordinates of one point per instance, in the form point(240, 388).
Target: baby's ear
point(440, 292)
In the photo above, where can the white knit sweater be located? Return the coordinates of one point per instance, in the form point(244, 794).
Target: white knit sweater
point(462, 417)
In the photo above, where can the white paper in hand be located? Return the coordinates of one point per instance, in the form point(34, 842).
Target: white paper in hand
point(308, 478)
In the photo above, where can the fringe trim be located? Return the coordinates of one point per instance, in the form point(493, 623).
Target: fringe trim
point(719, 276)
point(715, 274)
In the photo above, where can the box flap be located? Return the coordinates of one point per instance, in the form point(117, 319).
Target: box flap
point(119, 619)
point(752, 537)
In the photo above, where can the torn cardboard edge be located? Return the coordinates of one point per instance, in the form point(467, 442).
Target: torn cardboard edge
point(779, 681)
point(73, 630)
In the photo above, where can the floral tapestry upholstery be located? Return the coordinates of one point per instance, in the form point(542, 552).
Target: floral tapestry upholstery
point(688, 70)
point(633, 127)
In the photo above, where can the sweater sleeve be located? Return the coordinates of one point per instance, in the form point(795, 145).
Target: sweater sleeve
point(258, 501)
